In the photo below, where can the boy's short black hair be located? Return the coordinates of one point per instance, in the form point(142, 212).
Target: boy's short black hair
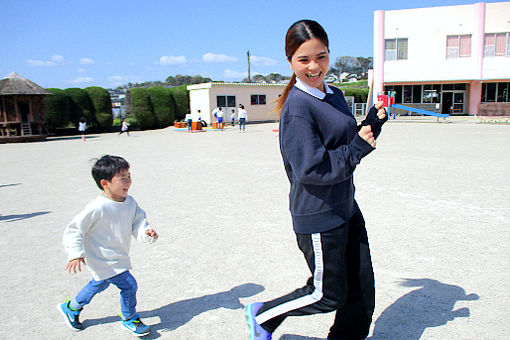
point(106, 167)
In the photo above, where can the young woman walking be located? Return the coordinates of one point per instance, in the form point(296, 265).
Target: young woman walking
point(321, 146)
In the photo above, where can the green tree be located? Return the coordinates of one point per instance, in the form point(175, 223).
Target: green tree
point(102, 104)
point(58, 109)
point(81, 106)
point(141, 107)
point(181, 97)
point(162, 104)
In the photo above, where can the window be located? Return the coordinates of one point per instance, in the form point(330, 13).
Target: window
point(226, 101)
point(431, 93)
point(258, 99)
point(496, 92)
point(408, 94)
point(395, 49)
point(496, 44)
point(458, 46)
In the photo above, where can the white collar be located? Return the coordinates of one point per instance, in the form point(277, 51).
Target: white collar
point(312, 90)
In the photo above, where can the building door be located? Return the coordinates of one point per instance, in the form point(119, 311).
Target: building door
point(453, 102)
point(24, 110)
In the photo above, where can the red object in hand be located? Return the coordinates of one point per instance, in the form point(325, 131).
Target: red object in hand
point(384, 99)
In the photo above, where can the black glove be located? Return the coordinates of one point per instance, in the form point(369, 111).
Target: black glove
point(374, 121)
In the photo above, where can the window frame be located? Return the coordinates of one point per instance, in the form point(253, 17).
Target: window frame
point(260, 99)
point(454, 52)
point(397, 53)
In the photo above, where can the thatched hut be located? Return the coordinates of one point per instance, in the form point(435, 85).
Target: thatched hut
point(21, 109)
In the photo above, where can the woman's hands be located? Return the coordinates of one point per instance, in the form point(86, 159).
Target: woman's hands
point(366, 133)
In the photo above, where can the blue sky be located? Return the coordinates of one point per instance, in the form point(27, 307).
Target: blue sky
point(108, 43)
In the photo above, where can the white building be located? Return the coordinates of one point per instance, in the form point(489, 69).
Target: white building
point(452, 59)
point(258, 99)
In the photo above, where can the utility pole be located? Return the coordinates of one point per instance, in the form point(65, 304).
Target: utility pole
point(249, 79)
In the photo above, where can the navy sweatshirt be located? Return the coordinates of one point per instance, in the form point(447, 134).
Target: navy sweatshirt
point(320, 147)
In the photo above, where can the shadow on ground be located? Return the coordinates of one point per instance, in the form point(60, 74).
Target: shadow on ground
point(9, 185)
point(177, 314)
point(13, 218)
point(62, 138)
point(432, 305)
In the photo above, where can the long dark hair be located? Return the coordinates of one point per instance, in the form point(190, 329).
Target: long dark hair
point(297, 34)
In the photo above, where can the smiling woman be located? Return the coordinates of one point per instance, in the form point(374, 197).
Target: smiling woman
point(321, 145)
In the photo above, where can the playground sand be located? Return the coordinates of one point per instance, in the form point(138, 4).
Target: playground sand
point(435, 198)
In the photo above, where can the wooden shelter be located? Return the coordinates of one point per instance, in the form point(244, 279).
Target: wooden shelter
point(21, 109)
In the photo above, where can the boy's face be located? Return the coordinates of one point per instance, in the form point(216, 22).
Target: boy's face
point(117, 189)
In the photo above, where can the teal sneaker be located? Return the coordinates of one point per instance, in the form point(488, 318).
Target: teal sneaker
point(135, 326)
point(256, 331)
point(70, 316)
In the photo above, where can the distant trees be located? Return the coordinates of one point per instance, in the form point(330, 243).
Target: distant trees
point(270, 78)
point(349, 64)
point(186, 80)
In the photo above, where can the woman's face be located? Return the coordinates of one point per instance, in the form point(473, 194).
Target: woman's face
point(310, 63)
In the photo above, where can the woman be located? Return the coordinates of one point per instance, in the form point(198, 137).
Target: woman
point(321, 146)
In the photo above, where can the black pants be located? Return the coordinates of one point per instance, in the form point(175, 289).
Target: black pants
point(342, 281)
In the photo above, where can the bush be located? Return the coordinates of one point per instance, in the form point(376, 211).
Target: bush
point(141, 108)
point(102, 104)
point(81, 106)
point(58, 109)
point(360, 94)
point(162, 104)
point(181, 97)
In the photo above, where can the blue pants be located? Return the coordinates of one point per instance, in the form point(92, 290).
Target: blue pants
point(124, 281)
point(242, 123)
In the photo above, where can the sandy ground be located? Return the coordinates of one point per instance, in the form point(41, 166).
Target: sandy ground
point(435, 198)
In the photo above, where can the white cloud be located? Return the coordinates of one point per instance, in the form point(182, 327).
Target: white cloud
point(87, 61)
point(81, 80)
point(172, 60)
point(218, 58)
point(123, 80)
point(231, 74)
point(54, 61)
point(264, 61)
point(81, 70)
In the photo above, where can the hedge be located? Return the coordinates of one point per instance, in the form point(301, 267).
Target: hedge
point(102, 104)
point(81, 106)
point(163, 105)
point(58, 108)
point(181, 97)
point(141, 107)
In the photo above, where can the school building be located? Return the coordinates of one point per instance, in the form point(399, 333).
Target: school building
point(258, 100)
point(452, 59)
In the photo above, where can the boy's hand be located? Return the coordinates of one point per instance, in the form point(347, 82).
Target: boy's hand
point(152, 233)
point(76, 263)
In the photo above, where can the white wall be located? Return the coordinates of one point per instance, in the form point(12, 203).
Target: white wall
point(426, 30)
point(203, 97)
point(497, 20)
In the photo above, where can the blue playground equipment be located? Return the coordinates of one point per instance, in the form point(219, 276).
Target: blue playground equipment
point(425, 112)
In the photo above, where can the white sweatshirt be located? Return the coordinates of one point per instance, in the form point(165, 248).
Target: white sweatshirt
point(101, 233)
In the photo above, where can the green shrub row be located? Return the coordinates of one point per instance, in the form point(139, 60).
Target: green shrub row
point(67, 106)
point(157, 106)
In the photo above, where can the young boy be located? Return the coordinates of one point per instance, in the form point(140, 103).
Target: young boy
point(100, 236)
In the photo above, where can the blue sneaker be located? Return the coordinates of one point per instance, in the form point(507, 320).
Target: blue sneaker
point(70, 316)
point(135, 326)
point(256, 331)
